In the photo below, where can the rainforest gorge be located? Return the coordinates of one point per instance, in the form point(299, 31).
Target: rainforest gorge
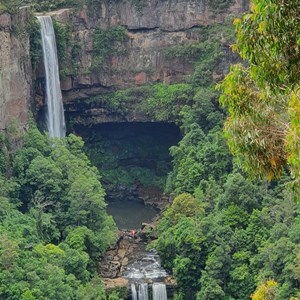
point(148, 91)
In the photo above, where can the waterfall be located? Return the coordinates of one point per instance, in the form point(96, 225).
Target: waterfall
point(159, 291)
point(55, 112)
point(133, 292)
point(147, 268)
point(143, 291)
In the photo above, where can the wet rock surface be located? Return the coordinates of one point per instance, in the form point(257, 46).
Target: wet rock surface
point(129, 262)
point(129, 249)
point(116, 259)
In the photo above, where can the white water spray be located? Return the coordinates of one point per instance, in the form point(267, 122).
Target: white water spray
point(159, 291)
point(143, 291)
point(142, 270)
point(55, 111)
point(133, 292)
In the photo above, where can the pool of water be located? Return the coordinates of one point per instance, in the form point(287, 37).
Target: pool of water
point(130, 214)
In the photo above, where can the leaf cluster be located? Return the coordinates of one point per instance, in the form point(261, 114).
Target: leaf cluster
point(53, 222)
point(261, 127)
point(106, 43)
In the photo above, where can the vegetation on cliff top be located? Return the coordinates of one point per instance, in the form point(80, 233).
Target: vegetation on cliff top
point(48, 5)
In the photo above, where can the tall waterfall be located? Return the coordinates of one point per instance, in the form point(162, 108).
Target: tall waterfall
point(143, 291)
point(159, 291)
point(55, 112)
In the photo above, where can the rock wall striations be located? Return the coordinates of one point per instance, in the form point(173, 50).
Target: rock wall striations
point(111, 45)
point(15, 70)
point(138, 57)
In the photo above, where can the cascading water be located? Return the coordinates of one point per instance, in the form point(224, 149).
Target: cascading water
point(159, 291)
point(148, 267)
point(55, 111)
point(133, 292)
point(143, 270)
point(143, 291)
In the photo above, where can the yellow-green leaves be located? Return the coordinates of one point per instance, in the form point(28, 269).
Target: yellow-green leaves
point(269, 35)
point(263, 98)
point(293, 137)
point(257, 124)
point(266, 291)
point(184, 205)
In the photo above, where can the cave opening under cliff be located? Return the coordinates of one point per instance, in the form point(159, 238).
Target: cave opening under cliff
point(133, 159)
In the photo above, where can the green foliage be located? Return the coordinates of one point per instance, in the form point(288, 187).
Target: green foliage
point(118, 294)
point(266, 291)
point(166, 101)
point(268, 38)
point(2, 8)
point(246, 235)
point(10, 6)
point(33, 27)
point(131, 155)
point(67, 49)
point(197, 157)
point(183, 205)
point(220, 5)
point(139, 5)
point(204, 54)
point(240, 191)
point(107, 42)
point(3, 155)
point(181, 242)
point(205, 111)
point(12, 133)
point(257, 124)
point(49, 249)
point(42, 5)
point(159, 101)
point(263, 98)
point(62, 36)
point(182, 247)
point(92, 290)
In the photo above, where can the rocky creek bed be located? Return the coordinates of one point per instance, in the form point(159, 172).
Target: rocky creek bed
point(129, 261)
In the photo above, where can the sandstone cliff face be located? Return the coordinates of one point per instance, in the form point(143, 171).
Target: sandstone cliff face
point(15, 70)
point(151, 27)
point(168, 15)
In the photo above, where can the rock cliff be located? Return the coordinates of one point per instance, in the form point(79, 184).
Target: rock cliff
point(113, 55)
point(15, 69)
point(149, 28)
point(133, 48)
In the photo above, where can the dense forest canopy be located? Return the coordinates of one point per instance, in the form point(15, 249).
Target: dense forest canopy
point(224, 237)
point(244, 234)
point(53, 221)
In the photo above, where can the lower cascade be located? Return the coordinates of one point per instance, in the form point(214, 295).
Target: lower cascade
point(144, 272)
point(143, 291)
point(159, 291)
point(133, 292)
